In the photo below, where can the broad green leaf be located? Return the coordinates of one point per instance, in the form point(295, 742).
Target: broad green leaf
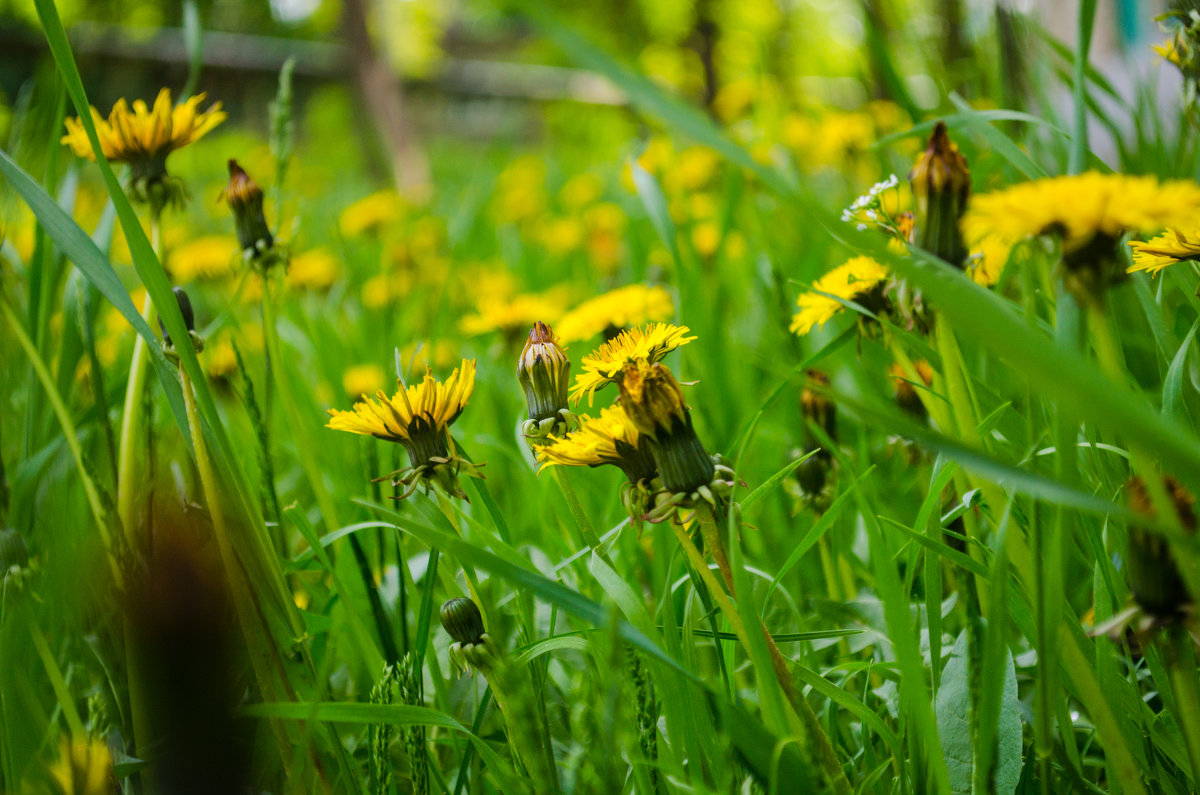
point(954, 714)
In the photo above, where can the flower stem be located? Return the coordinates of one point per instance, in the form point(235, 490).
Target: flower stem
point(128, 479)
point(581, 518)
point(815, 739)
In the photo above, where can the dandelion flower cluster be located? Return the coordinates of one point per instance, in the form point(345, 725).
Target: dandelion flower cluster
point(851, 281)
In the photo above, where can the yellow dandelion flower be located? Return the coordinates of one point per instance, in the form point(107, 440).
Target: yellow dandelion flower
point(1079, 208)
point(850, 281)
point(145, 136)
point(650, 343)
point(84, 768)
point(417, 417)
point(608, 439)
point(1174, 245)
point(1169, 51)
point(363, 379)
point(208, 257)
point(316, 269)
point(516, 313)
point(625, 306)
point(371, 213)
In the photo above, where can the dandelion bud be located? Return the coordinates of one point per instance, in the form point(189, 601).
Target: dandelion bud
point(653, 400)
point(463, 621)
point(189, 319)
point(543, 370)
point(1154, 578)
point(246, 200)
point(941, 184)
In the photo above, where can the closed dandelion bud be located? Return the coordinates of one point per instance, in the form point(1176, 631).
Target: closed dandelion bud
point(189, 320)
point(1154, 577)
point(245, 199)
point(543, 371)
point(462, 620)
point(941, 184)
point(653, 401)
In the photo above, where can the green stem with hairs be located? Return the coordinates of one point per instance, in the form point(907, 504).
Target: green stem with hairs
point(128, 480)
point(813, 737)
point(586, 529)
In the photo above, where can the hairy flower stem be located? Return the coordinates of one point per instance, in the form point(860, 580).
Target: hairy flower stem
point(586, 530)
point(812, 733)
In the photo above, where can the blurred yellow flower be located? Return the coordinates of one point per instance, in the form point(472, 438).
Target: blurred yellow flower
point(1169, 51)
point(692, 169)
point(520, 190)
point(580, 191)
point(513, 314)
point(371, 213)
point(605, 223)
point(363, 379)
point(385, 289)
point(1080, 207)
point(706, 236)
point(315, 269)
point(855, 278)
point(84, 768)
point(625, 306)
point(987, 261)
point(560, 236)
point(1174, 245)
point(145, 136)
point(734, 98)
point(208, 257)
point(651, 343)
